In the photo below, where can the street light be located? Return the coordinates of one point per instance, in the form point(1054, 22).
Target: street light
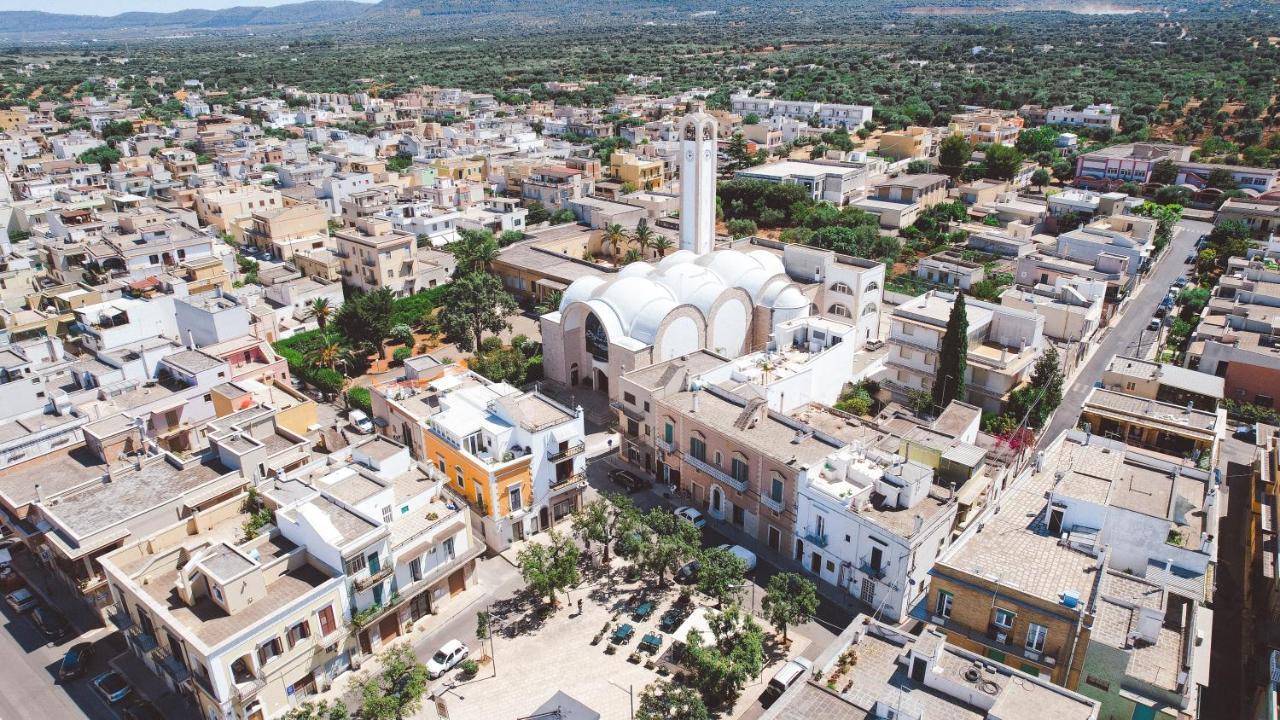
point(630, 690)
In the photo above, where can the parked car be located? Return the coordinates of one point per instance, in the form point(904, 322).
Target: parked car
point(789, 674)
point(1182, 280)
point(142, 711)
point(360, 422)
point(21, 600)
point(50, 623)
point(1160, 311)
point(452, 653)
point(1154, 324)
point(692, 515)
point(113, 686)
point(688, 574)
point(1190, 259)
point(76, 661)
point(743, 554)
point(629, 481)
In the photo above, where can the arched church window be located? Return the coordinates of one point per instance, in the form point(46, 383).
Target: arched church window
point(838, 310)
point(597, 340)
point(841, 288)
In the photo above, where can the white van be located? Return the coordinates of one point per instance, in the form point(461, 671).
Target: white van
point(360, 422)
point(788, 675)
point(745, 555)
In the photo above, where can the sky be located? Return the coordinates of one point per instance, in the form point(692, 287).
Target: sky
point(115, 7)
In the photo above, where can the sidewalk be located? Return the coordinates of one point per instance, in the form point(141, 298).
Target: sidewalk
point(152, 687)
point(54, 593)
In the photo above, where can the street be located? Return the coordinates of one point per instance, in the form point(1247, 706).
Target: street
point(28, 686)
point(1130, 335)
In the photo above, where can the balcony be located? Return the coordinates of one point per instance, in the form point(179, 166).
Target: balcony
point(875, 573)
point(248, 687)
point(815, 538)
point(571, 451)
point(775, 505)
point(368, 581)
point(174, 668)
point(668, 447)
point(715, 472)
point(627, 410)
point(557, 483)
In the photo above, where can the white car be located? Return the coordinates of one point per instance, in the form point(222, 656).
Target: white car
point(452, 653)
point(692, 515)
point(360, 422)
point(788, 675)
point(743, 554)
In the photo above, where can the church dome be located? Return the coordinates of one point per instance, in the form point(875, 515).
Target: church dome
point(628, 296)
point(580, 290)
point(635, 269)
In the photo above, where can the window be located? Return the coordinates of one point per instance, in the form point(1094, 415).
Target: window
point(217, 593)
point(1035, 637)
point(839, 310)
point(841, 288)
point(298, 633)
point(457, 474)
point(1098, 682)
point(943, 608)
point(668, 433)
point(440, 464)
point(1004, 618)
point(415, 569)
point(738, 469)
point(386, 514)
point(270, 649)
point(775, 492)
point(698, 448)
point(327, 622)
point(375, 564)
point(355, 565)
point(629, 398)
point(513, 496)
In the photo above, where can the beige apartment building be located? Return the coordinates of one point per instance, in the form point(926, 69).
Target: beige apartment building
point(375, 255)
point(286, 230)
point(230, 208)
point(913, 143)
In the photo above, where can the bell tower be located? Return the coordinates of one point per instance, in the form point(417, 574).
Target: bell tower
point(698, 183)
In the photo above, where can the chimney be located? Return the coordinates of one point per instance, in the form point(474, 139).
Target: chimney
point(39, 495)
point(694, 409)
point(917, 523)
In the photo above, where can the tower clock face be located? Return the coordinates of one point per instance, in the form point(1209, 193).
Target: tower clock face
point(688, 154)
point(707, 153)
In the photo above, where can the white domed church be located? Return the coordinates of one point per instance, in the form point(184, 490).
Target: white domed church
point(727, 301)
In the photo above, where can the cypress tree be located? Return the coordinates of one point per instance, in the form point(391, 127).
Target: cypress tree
point(953, 356)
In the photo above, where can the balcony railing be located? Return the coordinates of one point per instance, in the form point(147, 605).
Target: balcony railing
point(627, 410)
point(571, 451)
point(717, 473)
point(248, 688)
point(816, 538)
point(875, 573)
point(775, 505)
point(372, 579)
point(561, 482)
point(669, 447)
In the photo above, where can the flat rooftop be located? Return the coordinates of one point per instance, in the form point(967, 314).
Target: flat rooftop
point(777, 438)
point(1177, 418)
point(55, 473)
point(658, 375)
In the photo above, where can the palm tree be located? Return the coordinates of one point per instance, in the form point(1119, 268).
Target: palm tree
point(550, 303)
point(633, 255)
point(615, 235)
point(475, 250)
point(644, 235)
point(661, 244)
point(328, 353)
point(320, 309)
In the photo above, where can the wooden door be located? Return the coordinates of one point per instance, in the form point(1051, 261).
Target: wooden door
point(389, 628)
point(457, 582)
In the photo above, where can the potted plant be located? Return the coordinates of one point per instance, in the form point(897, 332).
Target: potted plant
point(470, 668)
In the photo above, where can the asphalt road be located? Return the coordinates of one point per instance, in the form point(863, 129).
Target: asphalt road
point(28, 686)
point(1130, 335)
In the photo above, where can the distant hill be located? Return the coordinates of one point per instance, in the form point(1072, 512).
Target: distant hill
point(303, 13)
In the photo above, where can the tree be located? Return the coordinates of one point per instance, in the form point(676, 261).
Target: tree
point(366, 319)
point(661, 244)
point(953, 153)
point(789, 600)
point(396, 691)
point(1063, 169)
point(549, 303)
point(917, 167)
point(1222, 179)
point(103, 155)
point(474, 251)
point(668, 701)
point(1037, 140)
point(320, 310)
point(1166, 216)
point(319, 711)
point(953, 356)
point(670, 542)
point(721, 664)
point(863, 241)
point(751, 119)
point(327, 353)
point(604, 520)
point(549, 568)
point(1003, 162)
point(615, 235)
point(1164, 172)
point(1045, 389)
point(538, 213)
point(740, 157)
point(721, 574)
point(741, 227)
point(1230, 238)
point(1040, 178)
point(477, 303)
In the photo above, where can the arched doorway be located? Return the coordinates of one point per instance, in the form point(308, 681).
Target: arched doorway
point(573, 374)
point(602, 381)
point(717, 502)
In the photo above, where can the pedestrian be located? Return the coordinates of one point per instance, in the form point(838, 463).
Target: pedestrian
point(579, 606)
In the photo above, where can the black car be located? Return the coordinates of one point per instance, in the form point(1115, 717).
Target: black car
point(628, 480)
point(50, 622)
point(142, 711)
point(688, 574)
point(76, 662)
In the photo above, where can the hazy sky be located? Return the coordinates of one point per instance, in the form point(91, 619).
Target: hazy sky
point(115, 7)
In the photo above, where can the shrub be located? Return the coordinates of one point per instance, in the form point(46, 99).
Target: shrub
point(326, 380)
point(401, 354)
point(470, 667)
point(359, 398)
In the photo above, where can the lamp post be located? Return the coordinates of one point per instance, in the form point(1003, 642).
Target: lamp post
point(630, 690)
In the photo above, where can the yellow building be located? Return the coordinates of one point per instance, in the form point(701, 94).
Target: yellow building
point(518, 458)
point(640, 173)
point(912, 143)
point(460, 169)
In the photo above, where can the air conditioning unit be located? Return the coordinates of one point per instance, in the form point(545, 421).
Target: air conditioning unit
point(1049, 661)
point(1032, 655)
point(1002, 637)
point(938, 620)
